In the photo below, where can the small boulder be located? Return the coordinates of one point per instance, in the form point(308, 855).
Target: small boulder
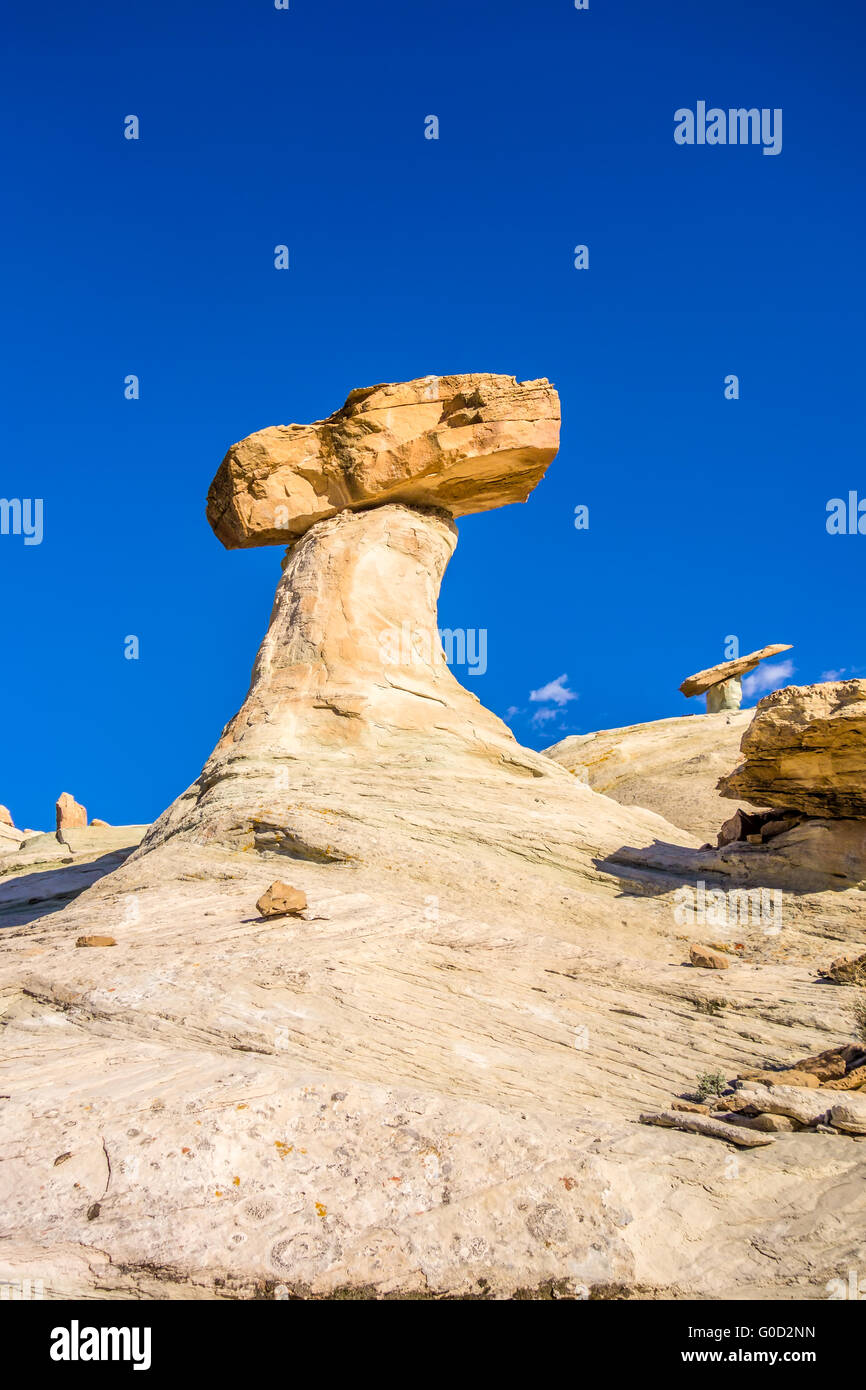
point(852, 1120)
point(831, 1064)
point(5, 818)
point(853, 1081)
point(708, 959)
point(70, 816)
point(97, 824)
point(846, 970)
point(765, 1124)
point(96, 941)
point(280, 900)
point(791, 1077)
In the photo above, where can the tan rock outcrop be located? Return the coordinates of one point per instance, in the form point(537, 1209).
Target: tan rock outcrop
point(806, 749)
point(434, 1092)
point(701, 681)
point(70, 816)
point(669, 766)
point(460, 443)
point(5, 817)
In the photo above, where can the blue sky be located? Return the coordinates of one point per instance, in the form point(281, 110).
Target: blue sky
point(412, 257)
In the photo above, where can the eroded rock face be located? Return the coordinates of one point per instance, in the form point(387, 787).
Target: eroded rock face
point(806, 749)
point(70, 815)
point(670, 766)
point(461, 443)
point(350, 681)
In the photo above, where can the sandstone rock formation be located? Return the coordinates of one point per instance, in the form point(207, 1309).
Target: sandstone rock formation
point(350, 680)
point(669, 766)
point(703, 681)
point(460, 443)
point(432, 1086)
point(70, 816)
point(10, 837)
point(806, 749)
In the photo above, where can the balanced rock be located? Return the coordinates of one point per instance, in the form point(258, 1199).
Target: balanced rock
point(5, 817)
point(459, 443)
point(701, 681)
point(70, 816)
point(281, 899)
point(806, 749)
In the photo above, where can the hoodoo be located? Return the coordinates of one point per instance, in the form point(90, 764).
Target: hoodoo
point(369, 497)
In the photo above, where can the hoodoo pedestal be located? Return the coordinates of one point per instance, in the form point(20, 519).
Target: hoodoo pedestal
point(351, 677)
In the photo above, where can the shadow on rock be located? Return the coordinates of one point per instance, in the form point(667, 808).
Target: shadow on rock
point(27, 897)
point(817, 856)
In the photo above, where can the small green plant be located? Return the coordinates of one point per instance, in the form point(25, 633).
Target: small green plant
point(860, 1019)
point(709, 1005)
point(712, 1083)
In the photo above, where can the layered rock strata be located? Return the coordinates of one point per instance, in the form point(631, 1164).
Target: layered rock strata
point(461, 443)
point(806, 749)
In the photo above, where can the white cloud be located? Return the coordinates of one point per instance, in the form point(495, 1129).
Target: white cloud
point(511, 711)
point(541, 716)
point(770, 676)
point(555, 693)
point(833, 675)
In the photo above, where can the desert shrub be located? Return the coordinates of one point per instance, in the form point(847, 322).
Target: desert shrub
point(712, 1083)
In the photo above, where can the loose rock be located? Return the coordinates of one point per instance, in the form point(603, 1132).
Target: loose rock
point(708, 959)
point(705, 1124)
point(846, 970)
point(280, 900)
